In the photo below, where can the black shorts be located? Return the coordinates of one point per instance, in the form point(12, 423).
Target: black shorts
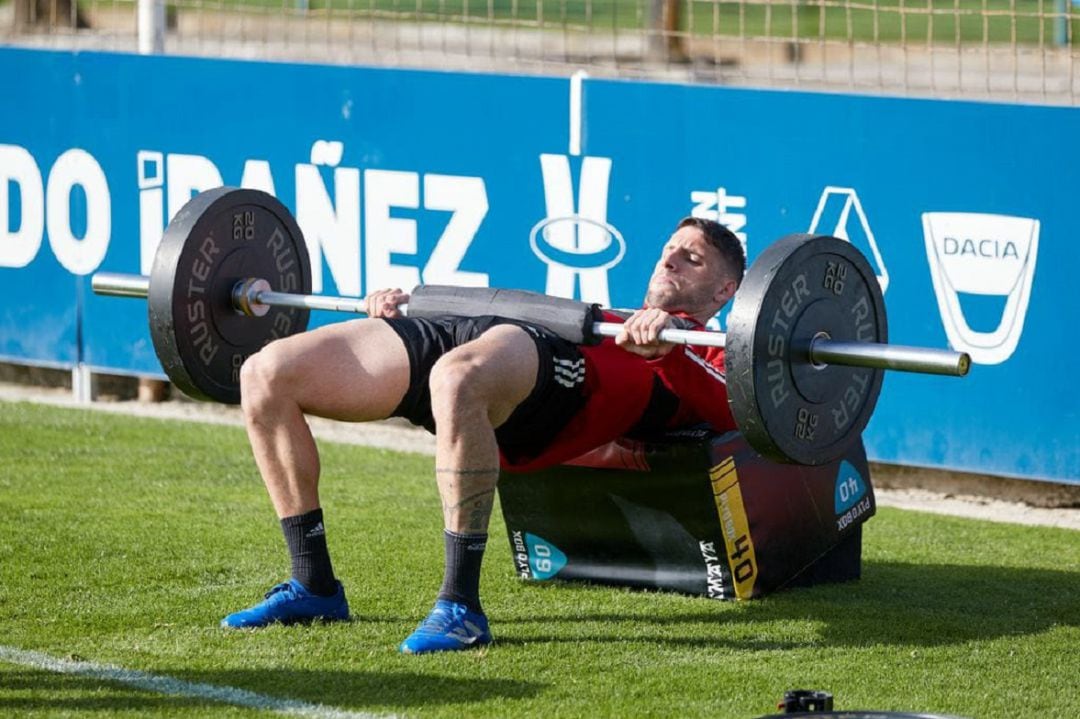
point(557, 396)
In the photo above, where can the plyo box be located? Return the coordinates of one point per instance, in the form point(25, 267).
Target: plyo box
point(693, 512)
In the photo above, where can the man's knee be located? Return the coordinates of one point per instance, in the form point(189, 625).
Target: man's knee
point(455, 381)
point(491, 375)
point(262, 379)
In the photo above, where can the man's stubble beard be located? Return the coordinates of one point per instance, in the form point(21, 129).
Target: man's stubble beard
point(661, 298)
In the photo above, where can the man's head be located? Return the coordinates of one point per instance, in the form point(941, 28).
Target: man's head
point(699, 269)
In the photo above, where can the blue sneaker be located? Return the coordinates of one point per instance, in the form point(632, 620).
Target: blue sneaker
point(290, 602)
point(449, 627)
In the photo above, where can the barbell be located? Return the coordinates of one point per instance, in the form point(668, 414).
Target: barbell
point(805, 349)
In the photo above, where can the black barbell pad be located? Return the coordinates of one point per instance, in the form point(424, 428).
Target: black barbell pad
point(570, 319)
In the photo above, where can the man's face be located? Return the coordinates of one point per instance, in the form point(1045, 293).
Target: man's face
point(690, 276)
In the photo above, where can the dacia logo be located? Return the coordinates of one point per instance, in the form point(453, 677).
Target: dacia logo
point(993, 249)
point(982, 255)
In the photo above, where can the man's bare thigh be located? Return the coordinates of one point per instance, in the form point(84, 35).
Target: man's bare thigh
point(352, 371)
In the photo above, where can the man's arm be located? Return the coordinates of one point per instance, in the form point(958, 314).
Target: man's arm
point(694, 374)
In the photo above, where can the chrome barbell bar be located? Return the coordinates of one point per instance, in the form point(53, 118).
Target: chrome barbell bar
point(253, 297)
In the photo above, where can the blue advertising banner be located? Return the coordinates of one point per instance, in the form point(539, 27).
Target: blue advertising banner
point(40, 309)
point(965, 210)
point(404, 177)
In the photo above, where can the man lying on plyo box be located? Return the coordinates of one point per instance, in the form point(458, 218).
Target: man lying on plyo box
point(497, 393)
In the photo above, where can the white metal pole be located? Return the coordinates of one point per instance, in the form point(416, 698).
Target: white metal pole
point(151, 27)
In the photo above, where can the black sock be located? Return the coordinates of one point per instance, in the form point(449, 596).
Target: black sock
point(306, 538)
point(461, 583)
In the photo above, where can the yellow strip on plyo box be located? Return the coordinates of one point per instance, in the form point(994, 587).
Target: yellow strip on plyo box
point(735, 526)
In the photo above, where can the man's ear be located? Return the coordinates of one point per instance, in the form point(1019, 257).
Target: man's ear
point(725, 292)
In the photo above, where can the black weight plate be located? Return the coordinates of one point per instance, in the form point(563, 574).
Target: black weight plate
point(788, 408)
point(218, 238)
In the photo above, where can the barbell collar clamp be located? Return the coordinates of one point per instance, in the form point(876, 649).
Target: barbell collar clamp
point(245, 297)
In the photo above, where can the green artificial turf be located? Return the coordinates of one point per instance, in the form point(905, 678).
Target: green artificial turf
point(124, 541)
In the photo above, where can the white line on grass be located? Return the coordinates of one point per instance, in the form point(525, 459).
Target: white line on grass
point(178, 687)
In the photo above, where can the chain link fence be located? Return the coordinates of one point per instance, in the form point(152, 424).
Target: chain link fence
point(1008, 50)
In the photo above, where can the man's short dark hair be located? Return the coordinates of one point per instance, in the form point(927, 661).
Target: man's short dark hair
point(723, 239)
